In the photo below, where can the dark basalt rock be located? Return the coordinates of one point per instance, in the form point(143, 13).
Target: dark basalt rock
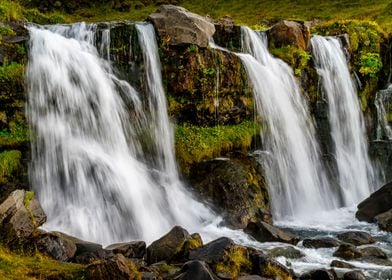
point(87, 252)
point(354, 275)
point(340, 264)
point(268, 267)
point(56, 245)
point(347, 252)
point(356, 238)
point(227, 34)
point(133, 249)
point(320, 274)
point(372, 251)
point(384, 221)
point(287, 252)
point(196, 270)
point(264, 232)
point(325, 242)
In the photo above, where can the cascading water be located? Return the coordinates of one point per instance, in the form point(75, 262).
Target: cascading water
point(383, 104)
point(296, 180)
point(355, 173)
point(85, 166)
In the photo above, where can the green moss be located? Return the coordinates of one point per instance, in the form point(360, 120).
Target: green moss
point(9, 163)
point(28, 197)
point(194, 143)
point(236, 261)
point(297, 58)
point(33, 15)
point(271, 270)
point(10, 10)
point(16, 134)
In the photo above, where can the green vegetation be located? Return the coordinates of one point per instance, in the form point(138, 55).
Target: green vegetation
point(9, 163)
point(195, 143)
point(17, 133)
point(28, 197)
point(17, 267)
point(297, 58)
point(10, 10)
point(237, 261)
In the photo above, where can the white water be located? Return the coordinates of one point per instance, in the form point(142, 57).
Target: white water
point(296, 180)
point(355, 173)
point(383, 104)
point(85, 166)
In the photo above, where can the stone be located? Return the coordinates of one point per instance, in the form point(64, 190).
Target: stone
point(356, 238)
point(269, 268)
point(347, 252)
point(384, 221)
point(264, 232)
point(253, 277)
point(175, 245)
point(287, 32)
point(354, 275)
point(320, 274)
point(288, 252)
point(56, 245)
point(372, 251)
point(325, 242)
point(227, 34)
point(178, 26)
point(116, 267)
point(20, 216)
point(378, 202)
point(133, 249)
point(196, 270)
point(340, 264)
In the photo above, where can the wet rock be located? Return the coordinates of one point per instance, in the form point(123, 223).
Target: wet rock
point(56, 245)
point(384, 221)
point(116, 267)
point(347, 252)
point(228, 35)
point(269, 268)
point(325, 242)
point(377, 261)
point(354, 275)
point(378, 203)
point(134, 249)
point(87, 252)
point(175, 245)
point(180, 26)
point(253, 277)
point(372, 251)
point(264, 232)
point(356, 238)
point(20, 215)
point(340, 264)
point(287, 252)
point(320, 274)
point(196, 270)
point(289, 33)
point(236, 187)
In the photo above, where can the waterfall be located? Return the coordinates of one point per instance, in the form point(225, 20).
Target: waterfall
point(87, 167)
point(383, 104)
point(296, 180)
point(355, 173)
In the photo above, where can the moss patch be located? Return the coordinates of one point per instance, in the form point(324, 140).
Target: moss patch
point(9, 164)
point(271, 270)
point(236, 261)
point(297, 58)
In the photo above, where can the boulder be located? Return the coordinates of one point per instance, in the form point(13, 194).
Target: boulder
point(116, 267)
point(228, 35)
point(347, 252)
point(288, 252)
point(20, 216)
point(196, 270)
point(178, 26)
point(173, 246)
point(340, 264)
point(384, 221)
point(378, 202)
point(287, 32)
point(253, 277)
point(133, 249)
point(320, 274)
point(354, 275)
point(372, 251)
point(236, 187)
point(264, 232)
point(269, 268)
point(87, 252)
point(56, 245)
point(356, 238)
point(325, 242)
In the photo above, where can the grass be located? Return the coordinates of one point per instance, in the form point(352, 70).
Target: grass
point(19, 267)
point(9, 163)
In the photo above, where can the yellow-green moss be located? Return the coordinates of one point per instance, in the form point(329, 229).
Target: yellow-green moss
point(16, 134)
point(297, 58)
point(273, 271)
point(135, 272)
point(17, 267)
point(9, 163)
point(28, 197)
point(10, 10)
point(237, 261)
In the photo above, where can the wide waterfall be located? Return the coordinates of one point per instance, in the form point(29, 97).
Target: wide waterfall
point(87, 169)
point(355, 173)
point(296, 179)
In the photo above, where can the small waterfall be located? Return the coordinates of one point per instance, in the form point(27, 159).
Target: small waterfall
point(355, 173)
point(383, 104)
point(296, 180)
point(86, 168)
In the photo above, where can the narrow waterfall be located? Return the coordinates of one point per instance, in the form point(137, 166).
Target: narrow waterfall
point(355, 173)
point(86, 168)
point(296, 180)
point(383, 104)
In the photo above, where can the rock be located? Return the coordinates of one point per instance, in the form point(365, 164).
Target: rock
point(56, 245)
point(340, 264)
point(225, 258)
point(269, 268)
point(287, 252)
point(384, 221)
point(116, 267)
point(377, 261)
point(325, 242)
point(227, 34)
point(87, 252)
point(264, 232)
point(372, 251)
point(20, 215)
point(179, 26)
point(347, 252)
point(378, 202)
point(289, 33)
point(320, 274)
point(253, 277)
point(196, 270)
point(354, 275)
point(175, 245)
point(356, 238)
point(236, 187)
point(133, 249)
